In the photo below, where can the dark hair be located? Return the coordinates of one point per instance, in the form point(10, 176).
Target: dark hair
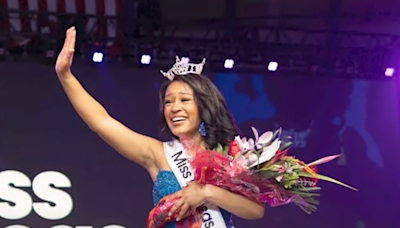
point(218, 122)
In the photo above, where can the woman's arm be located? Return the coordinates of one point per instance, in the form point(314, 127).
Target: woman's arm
point(194, 195)
point(134, 146)
point(236, 204)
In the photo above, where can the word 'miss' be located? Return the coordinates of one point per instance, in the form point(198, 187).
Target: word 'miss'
point(182, 164)
point(20, 204)
point(17, 204)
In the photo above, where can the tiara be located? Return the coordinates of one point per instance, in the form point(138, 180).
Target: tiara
point(180, 68)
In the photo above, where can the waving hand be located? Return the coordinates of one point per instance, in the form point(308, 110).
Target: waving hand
point(64, 59)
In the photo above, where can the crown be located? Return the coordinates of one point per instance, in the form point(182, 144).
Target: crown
point(180, 68)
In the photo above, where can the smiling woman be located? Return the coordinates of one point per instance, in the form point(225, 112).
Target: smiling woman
point(192, 107)
point(180, 110)
point(195, 101)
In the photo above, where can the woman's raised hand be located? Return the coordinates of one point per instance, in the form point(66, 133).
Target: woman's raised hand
point(64, 59)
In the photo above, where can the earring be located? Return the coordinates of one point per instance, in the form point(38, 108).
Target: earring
point(202, 130)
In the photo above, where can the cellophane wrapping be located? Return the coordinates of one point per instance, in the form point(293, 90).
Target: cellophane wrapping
point(213, 168)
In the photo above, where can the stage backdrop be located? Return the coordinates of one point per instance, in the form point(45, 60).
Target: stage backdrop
point(55, 172)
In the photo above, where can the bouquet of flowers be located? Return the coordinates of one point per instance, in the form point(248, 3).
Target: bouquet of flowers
point(258, 168)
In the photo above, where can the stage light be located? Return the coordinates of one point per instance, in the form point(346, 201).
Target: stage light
point(229, 63)
point(97, 57)
point(272, 66)
point(185, 60)
point(389, 72)
point(145, 60)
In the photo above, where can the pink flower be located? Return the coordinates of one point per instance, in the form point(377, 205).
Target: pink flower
point(244, 144)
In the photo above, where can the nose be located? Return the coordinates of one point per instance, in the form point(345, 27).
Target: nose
point(176, 107)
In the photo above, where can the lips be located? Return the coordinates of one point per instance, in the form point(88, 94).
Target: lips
point(178, 120)
point(175, 119)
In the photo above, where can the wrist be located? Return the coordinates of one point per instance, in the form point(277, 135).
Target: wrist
point(208, 192)
point(64, 75)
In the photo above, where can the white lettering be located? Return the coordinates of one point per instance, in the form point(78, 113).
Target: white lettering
point(19, 203)
point(45, 187)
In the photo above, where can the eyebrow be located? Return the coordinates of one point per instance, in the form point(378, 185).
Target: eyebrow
point(182, 93)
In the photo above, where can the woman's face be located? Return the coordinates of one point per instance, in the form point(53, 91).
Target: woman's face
point(180, 110)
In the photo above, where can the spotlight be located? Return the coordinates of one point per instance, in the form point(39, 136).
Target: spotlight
point(185, 60)
point(97, 57)
point(229, 63)
point(389, 72)
point(145, 60)
point(272, 66)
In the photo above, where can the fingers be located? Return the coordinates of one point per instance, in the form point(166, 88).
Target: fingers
point(69, 33)
point(71, 44)
point(70, 38)
point(71, 47)
point(182, 212)
point(68, 50)
point(193, 210)
point(177, 194)
point(66, 38)
point(176, 206)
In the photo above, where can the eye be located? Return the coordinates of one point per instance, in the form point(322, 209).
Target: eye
point(185, 99)
point(167, 102)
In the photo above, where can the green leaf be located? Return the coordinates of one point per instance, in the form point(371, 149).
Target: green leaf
point(276, 133)
point(288, 180)
point(306, 194)
point(274, 167)
point(284, 146)
point(325, 178)
point(308, 189)
point(226, 148)
point(219, 148)
point(268, 174)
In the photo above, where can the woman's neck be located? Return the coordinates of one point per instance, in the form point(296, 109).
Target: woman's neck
point(199, 140)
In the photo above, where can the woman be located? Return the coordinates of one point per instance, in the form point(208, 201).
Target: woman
point(189, 102)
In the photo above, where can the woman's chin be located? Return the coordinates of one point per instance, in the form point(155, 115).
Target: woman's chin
point(181, 133)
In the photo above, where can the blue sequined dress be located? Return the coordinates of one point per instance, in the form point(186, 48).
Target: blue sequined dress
point(167, 184)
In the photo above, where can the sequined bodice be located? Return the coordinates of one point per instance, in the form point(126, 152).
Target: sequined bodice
point(167, 184)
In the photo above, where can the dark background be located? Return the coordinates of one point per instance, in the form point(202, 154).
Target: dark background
point(40, 131)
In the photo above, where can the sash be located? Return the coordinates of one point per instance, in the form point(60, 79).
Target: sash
point(176, 158)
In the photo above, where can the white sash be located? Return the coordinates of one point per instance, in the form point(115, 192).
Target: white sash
point(176, 158)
